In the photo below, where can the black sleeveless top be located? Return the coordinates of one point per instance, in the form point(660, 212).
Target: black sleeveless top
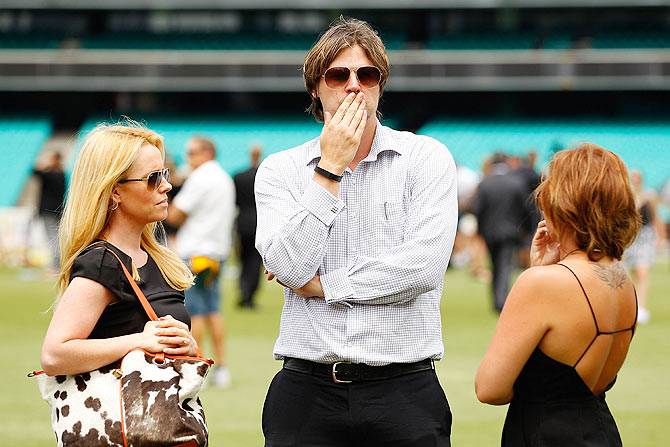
point(552, 406)
point(126, 315)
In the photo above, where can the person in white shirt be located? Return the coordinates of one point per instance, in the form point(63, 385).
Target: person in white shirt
point(204, 209)
point(358, 226)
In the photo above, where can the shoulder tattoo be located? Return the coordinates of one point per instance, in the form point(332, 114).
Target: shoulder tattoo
point(614, 276)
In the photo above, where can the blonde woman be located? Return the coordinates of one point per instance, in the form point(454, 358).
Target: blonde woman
point(566, 326)
point(116, 198)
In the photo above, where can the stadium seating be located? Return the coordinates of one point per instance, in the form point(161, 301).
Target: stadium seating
point(24, 41)
point(488, 40)
point(517, 40)
point(394, 40)
point(485, 40)
point(200, 41)
point(632, 39)
point(557, 41)
point(213, 41)
point(21, 140)
point(644, 145)
point(232, 135)
point(641, 144)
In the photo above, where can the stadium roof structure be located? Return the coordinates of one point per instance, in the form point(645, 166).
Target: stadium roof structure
point(262, 71)
point(320, 4)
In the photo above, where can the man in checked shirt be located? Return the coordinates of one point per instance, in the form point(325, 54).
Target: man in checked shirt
point(358, 226)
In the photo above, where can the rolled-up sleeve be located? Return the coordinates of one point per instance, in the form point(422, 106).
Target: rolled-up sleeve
point(292, 228)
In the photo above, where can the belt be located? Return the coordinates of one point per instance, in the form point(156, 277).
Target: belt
point(345, 372)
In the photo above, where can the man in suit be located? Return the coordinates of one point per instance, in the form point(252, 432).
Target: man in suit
point(49, 169)
point(526, 173)
point(246, 229)
point(501, 207)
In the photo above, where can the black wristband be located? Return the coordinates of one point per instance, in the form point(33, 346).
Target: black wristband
point(328, 174)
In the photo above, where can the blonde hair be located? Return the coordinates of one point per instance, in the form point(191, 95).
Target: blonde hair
point(108, 153)
point(344, 32)
point(587, 191)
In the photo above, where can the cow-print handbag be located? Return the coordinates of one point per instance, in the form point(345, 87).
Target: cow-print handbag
point(144, 399)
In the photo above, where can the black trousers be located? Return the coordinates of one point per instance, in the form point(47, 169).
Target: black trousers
point(503, 261)
point(311, 411)
point(251, 269)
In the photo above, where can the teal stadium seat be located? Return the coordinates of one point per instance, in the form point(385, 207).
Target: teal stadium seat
point(632, 39)
point(240, 41)
point(21, 140)
point(232, 135)
point(642, 144)
point(394, 40)
point(200, 41)
point(557, 41)
point(497, 40)
point(32, 41)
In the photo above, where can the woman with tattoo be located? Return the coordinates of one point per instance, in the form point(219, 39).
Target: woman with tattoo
point(566, 326)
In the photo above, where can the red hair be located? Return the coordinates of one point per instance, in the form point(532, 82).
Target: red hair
point(587, 191)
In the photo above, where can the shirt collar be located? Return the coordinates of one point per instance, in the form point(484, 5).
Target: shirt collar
point(383, 141)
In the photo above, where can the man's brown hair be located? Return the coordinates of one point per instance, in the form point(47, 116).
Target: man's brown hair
point(587, 191)
point(344, 32)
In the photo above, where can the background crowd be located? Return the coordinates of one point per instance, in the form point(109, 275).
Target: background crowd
point(497, 219)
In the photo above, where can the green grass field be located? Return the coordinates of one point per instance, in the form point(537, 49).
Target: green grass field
point(640, 400)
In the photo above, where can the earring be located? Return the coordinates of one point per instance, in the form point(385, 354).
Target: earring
point(115, 206)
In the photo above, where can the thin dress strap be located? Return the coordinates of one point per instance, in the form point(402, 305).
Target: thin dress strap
point(637, 308)
point(592, 313)
point(598, 331)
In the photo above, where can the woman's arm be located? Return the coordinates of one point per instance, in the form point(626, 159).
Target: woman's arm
point(66, 349)
point(520, 329)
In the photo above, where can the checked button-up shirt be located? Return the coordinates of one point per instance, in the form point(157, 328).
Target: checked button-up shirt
point(381, 249)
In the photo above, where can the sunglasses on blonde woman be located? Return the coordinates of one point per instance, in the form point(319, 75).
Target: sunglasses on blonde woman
point(337, 77)
point(153, 180)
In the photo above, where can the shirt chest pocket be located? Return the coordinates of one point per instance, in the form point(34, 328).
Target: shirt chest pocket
point(389, 225)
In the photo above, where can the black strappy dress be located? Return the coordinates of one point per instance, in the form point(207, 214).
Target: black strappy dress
point(553, 407)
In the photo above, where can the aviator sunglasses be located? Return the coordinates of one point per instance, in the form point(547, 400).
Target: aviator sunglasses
point(153, 179)
point(337, 77)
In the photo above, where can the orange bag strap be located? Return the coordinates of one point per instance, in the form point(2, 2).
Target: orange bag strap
point(143, 300)
point(140, 295)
